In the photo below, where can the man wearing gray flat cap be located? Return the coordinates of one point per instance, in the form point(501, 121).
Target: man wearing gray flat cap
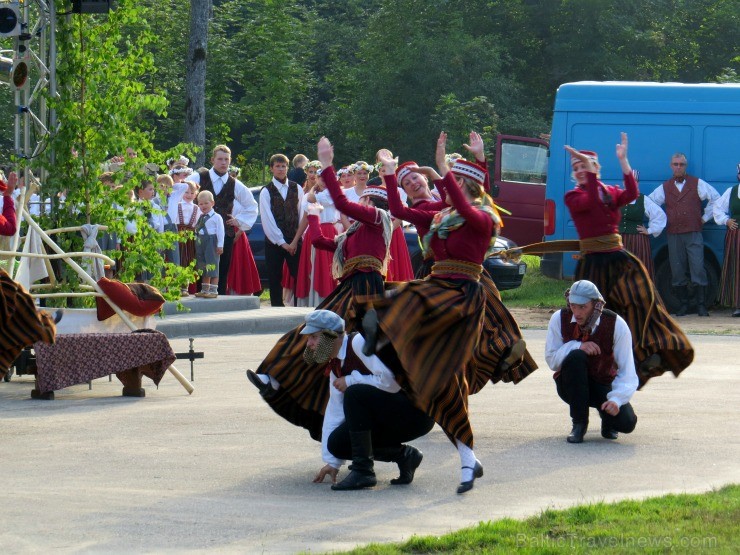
point(368, 416)
point(590, 351)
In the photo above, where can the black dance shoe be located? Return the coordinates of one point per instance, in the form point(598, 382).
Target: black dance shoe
point(265, 389)
point(477, 473)
point(607, 432)
point(410, 460)
point(736, 314)
point(356, 480)
point(577, 433)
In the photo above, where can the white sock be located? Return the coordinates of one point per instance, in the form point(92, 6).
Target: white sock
point(273, 382)
point(467, 459)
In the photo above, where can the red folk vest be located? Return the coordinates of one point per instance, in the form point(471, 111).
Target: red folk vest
point(601, 368)
point(683, 209)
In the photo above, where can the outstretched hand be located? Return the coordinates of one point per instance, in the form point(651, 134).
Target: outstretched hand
point(622, 148)
point(327, 470)
point(428, 172)
point(476, 146)
point(440, 153)
point(588, 162)
point(325, 152)
point(385, 157)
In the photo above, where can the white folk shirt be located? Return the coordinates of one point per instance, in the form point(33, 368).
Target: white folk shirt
point(722, 207)
point(178, 190)
point(214, 225)
point(655, 215)
point(329, 214)
point(381, 377)
point(703, 189)
point(625, 383)
point(272, 231)
point(245, 207)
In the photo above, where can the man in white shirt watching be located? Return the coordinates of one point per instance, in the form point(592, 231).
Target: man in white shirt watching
point(234, 203)
point(590, 351)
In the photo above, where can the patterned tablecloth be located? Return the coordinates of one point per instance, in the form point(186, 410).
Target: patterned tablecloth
point(80, 357)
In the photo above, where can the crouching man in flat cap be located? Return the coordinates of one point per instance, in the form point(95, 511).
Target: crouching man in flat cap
point(368, 416)
point(590, 351)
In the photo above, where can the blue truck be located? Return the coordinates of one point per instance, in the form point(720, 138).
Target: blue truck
point(699, 120)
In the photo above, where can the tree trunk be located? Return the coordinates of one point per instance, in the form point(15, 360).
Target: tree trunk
point(195, 84)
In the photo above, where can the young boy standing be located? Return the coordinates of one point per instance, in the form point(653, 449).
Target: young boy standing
point(209, 245)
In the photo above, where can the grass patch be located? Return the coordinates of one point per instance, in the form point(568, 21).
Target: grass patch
point(537, 290)
point(706, 523)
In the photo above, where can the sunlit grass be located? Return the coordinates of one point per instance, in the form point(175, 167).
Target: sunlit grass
point(706, 523)
point(536, 291)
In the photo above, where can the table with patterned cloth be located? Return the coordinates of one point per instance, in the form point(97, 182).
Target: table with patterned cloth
point(80, 357)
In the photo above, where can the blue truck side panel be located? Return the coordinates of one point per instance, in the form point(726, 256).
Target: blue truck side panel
point(702, 121)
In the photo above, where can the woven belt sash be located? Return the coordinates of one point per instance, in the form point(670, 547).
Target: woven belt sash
point(363, 262)
point(447, 267)
point(603, 243)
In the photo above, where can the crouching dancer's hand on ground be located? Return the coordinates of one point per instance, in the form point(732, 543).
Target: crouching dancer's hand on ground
point(327, 470)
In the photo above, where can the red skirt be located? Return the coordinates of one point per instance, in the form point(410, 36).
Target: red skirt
point(243, 278)
point(287, 281)
point(399, 266)
point(639, 245)
point(315, 263)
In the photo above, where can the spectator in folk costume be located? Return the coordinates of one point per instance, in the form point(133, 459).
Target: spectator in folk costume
point(635, 236)
point(727, 213)
point(234, 203)
point(280, 209)
point(185, 214)
point(169, 193)
point(590, 351)
point(658, 342)
point(346, 176)
point(682, 196)
point(315, 281)
point(209, 245)
point(360, 255)
point(7, 218)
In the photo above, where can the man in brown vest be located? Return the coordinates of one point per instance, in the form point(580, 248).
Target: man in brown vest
point(234, 203)
point(590, 351)
point(682, 195)
point(280, 210)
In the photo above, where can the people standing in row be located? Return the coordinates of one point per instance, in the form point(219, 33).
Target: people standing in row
point(635, 236)
point(233, 202)
point(727, 213)
point(298, 172)
point(682, 196)
point(280, 210)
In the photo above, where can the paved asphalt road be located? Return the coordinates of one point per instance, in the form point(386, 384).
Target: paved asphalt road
point(218, 470)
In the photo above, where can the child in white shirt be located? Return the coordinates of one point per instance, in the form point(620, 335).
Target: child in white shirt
point(209, 245)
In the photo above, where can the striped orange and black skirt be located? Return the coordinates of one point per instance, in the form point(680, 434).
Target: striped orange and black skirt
point(304, 389)
point(500, 332)
point(433, 326)
point(729, 284)
point(21, 325)
point(629, 291)
point(639, 245)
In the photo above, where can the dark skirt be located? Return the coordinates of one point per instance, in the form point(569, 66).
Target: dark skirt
point(304, 389)
point(639, 245)
point(629, 291)
point(729, 284)
point(500, 332)
point(433, 326)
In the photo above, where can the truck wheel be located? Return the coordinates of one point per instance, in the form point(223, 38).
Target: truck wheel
point(663, 284)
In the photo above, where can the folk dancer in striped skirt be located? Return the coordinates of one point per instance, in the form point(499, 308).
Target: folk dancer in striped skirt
point(293, 388)
point(727, 212)
point(21, 325)
point(657, 340)
point(635, 236)
point(429, 329)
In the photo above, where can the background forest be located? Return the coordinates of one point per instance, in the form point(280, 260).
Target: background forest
point(392, 73)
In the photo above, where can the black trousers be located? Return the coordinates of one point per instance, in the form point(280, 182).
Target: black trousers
point(390, 417)
point(576, 388)
point(274, 258)
point(224, 263)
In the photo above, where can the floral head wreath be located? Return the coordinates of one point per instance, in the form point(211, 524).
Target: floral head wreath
point(360, 165)
point(452, 158)
point(234, 170)
point(180, 169)
point(346, 170)
point(314, 164)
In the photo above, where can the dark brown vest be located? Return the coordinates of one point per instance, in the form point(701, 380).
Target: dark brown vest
point(285, 211)
point(683, 209)
point(601, 368)
point(224, 200)
point(352, 361)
